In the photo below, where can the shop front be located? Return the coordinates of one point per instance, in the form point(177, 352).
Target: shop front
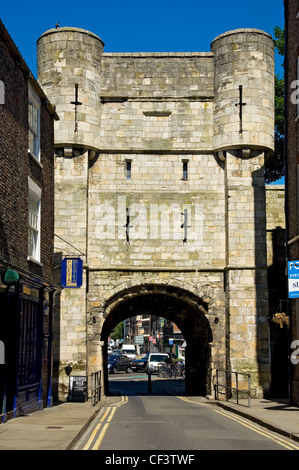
point(26, 333)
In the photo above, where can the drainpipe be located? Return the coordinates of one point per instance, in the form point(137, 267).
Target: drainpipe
point(286, 15)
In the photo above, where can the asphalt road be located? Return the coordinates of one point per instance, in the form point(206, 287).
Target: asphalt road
point(135, 420)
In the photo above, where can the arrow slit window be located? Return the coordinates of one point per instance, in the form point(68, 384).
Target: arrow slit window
point(129, 169)
point(185, 170)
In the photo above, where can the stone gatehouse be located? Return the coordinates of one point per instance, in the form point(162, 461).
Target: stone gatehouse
point(159, 182)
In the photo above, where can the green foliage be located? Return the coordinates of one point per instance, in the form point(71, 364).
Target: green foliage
point(118, 332)
point(279, 39)
point(274, 168)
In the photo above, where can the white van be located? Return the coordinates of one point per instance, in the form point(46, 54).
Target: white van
point(129, 350)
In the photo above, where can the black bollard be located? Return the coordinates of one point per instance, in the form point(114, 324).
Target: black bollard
point(149, 383)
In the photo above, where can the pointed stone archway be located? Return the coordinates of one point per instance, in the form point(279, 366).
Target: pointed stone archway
point(185, 309)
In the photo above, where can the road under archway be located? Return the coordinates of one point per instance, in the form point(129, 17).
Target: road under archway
point(186, 310)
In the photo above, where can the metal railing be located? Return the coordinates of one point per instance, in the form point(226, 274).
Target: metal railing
point(95, 387)
point(231, 385)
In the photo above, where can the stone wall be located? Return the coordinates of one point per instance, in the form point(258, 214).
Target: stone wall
point(71, 234)
point(154, 101)
point(163, 193)
point(156, 197)
point(275, 199)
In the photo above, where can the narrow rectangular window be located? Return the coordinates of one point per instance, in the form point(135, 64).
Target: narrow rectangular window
point(185, 170)
point(34, 211)
point(34, 123)
point(33, 228)
point(2, 92)
point(128, 169)
point(29, 351)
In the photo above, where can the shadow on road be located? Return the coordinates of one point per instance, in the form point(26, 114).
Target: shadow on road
point(143, 386)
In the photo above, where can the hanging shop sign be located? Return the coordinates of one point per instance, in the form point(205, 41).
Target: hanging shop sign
point(71, 272)
point(10, 277)
point(293, 279)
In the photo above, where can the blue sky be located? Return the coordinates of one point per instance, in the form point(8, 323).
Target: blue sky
point(139, 26)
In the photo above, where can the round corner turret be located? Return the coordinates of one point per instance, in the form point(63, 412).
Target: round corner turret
point(244, 90)
point(69, 67)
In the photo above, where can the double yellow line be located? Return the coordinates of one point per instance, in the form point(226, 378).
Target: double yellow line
point(99, 432)
point(276, 438)
point(192, 401)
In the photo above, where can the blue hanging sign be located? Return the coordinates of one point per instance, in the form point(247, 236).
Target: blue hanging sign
point(293, 279)
point(71, 272)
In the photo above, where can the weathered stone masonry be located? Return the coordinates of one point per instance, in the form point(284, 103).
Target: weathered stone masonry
point(159, 182)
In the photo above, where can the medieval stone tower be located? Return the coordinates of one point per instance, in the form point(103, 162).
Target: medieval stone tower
point(160, 189)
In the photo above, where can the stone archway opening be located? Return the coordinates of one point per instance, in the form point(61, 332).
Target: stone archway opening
point(184, 309)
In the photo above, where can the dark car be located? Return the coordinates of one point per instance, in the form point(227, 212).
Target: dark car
point(118, 363)
point(140, 364)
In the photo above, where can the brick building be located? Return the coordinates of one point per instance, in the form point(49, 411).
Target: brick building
point(27, 289)
point(292, 174)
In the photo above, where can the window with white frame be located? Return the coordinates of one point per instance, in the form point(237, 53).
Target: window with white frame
point(34, 123)
point(34, 210)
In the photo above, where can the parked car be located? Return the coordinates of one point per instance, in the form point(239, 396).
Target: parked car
point(140, 364)
point(117, 363)
point(154, 359)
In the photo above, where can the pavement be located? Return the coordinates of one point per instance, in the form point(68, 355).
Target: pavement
point(60, 426)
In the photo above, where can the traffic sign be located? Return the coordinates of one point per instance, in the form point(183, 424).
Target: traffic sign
point(139, 339)
point(293, 279)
